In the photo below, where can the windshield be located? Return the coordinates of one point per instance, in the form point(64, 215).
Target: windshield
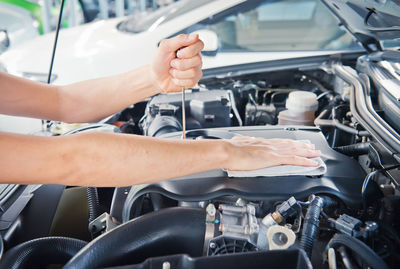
point(277, 26)
point(146, 22)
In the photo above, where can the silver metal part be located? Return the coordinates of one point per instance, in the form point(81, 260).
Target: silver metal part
point(102, 223)
point(183, 114)
point(234, 108)
point(210, 228)
point(239, 222)
point(280, 237)
point(166, 265)
point(332, 258)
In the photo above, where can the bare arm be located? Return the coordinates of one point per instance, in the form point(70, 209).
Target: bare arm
point(95, 99)
point(104, 159)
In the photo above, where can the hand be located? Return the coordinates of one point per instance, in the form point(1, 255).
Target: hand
point(173, 67)
point(249, 153)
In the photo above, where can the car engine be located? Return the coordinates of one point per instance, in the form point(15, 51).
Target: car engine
point(346, 218)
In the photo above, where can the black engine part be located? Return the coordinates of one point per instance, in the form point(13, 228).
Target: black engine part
point(165, 232)
point(204, 109)
point(276, 259)
point(57, 250)
point(343, 178)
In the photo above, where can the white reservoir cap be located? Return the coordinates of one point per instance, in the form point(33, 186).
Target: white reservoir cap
point(302, 101)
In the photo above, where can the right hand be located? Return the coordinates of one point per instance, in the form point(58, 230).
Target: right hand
point(250, 153)
point(173, 67)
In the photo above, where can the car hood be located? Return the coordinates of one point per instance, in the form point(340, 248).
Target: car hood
point(369, 21)
point(77, 53)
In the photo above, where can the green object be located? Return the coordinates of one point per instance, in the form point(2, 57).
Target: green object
point(33, 8)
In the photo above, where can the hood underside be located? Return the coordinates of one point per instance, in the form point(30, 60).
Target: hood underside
point(370, 21)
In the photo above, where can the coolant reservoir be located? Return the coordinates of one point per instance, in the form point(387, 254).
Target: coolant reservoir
point(301, 107)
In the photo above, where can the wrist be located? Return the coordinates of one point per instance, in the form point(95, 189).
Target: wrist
point(152, 77)
point(222, 153)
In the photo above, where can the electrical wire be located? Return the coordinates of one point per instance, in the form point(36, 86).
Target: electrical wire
point(372, 174)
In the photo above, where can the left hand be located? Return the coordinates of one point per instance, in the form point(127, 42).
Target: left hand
point(178, 63)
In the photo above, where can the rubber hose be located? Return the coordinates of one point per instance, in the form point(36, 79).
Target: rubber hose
point(354, 150)
point(311, 224)
point(360, 248)
point(165, 232)
point(38, 253)
point(93, 203)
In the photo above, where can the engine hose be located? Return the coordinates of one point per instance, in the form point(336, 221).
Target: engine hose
point(354, 150)
point(311, 223)
point(359, 248)
point(38, 253)
point(93, 203)
point(165, 232)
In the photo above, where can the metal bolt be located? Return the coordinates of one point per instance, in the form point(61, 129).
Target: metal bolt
point(211, 210)
point(166, 265)
point(213, 245)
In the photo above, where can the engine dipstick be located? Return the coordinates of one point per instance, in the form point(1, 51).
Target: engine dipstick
point(183, 114)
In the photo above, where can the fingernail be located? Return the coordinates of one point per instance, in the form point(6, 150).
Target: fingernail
point(171, 71)
point(313, 162)
point(191, 37)
point(179, 53)
point(174, 64)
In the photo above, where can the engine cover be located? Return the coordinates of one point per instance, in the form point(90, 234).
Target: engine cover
point(204, 109)
point(343, 179)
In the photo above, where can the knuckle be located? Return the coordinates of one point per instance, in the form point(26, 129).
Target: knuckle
point(179, 64)
point(295, 159)
point(192, 73)
point(164, 43)
point(201, 45)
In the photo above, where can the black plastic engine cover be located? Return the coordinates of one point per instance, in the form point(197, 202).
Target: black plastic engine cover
point(274, 259)
point(204, 109)
point(343, 178)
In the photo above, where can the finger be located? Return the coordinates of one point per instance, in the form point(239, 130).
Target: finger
point(296, 160)
point(190, 51)
point(186, 74)
point(185, 64)
point(289, 143)
point(177, 42)
point(303, 152)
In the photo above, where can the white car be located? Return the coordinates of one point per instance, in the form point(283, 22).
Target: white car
point(342, 214)
point(236, 32)
point(18, 23)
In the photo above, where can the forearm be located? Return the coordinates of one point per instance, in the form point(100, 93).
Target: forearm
point(101, 159)
point(96, 99)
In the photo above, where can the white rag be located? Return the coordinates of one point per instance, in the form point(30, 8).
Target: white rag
point(284, 170)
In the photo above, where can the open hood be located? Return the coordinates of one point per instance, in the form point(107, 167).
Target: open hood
point(370, 21)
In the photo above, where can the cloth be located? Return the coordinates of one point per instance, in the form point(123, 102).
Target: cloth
point(284, 170)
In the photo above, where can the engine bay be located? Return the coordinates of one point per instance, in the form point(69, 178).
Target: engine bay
point(345, 218)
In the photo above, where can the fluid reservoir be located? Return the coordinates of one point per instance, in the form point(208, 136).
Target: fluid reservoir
point(301, 107)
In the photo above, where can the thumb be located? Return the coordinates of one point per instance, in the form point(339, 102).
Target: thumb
point(177, 42)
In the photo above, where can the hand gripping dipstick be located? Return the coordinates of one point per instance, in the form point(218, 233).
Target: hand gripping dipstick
point(183, 114)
